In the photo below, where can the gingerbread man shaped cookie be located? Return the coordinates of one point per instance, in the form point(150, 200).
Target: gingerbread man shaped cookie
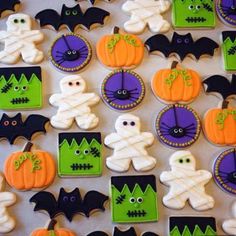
point(129, 145)
point(74, 104)
point(229, 226)
point(146, 13)
point(20, 40)
point(186, 183)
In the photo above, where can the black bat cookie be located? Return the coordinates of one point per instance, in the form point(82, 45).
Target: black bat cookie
point(69, 203)
point(8, 6)
point(72, 17)
point(221, 85)
point(92, 1)
point(14, 127)
point(181, 45)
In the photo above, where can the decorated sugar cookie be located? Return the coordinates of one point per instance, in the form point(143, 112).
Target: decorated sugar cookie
point(69, 203)
point(229, 226)
point(133, 199)
point(8, 7)
point(52, 230)
point(192, 226)
point(7, 223)
point(224, 171)
point(19, 40)
point(186, 183)
point(176, 85)
point(146, 14)
point(70, 53)
point(129, 145)
point(74, 104)
point(20, 88)
point(178, 126)
point(193, 14)
point(39, 167)
point(80, 154)
point(220, 122)
point(229, 50)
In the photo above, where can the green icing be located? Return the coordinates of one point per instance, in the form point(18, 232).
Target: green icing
point(174, 75)
point(193, 13)
point(229, 51)
point(125, 211)
point(222, 116)
point(20, 93)
point(83, 159)
point(197, 232)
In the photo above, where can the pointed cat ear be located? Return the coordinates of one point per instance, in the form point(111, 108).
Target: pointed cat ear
point(129, 232)
point(62, 191)
point(77, 191)
point(18, 117)
point(4, 117)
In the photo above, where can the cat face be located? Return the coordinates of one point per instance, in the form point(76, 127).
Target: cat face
point(70, 13)
point(11, 123)
point(182, 40)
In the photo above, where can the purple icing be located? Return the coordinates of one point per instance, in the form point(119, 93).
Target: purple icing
point(226, 10)
point(224, 171)
point(123, 90)
point(178, 126)
point(70, 53)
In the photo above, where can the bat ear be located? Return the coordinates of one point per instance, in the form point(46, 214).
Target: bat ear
point(5, 116)
point(18, 116)
point(62, 191)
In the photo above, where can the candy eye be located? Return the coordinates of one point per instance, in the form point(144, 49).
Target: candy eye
point(180, 130)
point(186, 41)
point(72, 199)
point(124, 92)
point(181, 161)
point(77, 83)
point(188, 160)
point(176, 131)
point(69, 52)
point(86, 152)
point(139, 199)
point(6, 123)
point(132, 200)
point(198, 7)
point(119, 92)
point(65, 199)
point(191, 7)
point(24, 88)
point(67, 12)
point(132, 123)
point(179, 41)
point(16, 21)
point(22, 21)
point(16, 88)
point(74, 12)
point(14, 123)
point(70, 84)
point(77, 152)
point(125, 123)
point(74, 52)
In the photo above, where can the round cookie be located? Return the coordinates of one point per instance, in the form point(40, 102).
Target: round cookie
point(178, 126)
point(70, 52)
point(226, 10)
point(224, 171)
point(123, 90)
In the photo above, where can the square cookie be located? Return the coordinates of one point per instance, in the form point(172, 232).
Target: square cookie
point(133, 199)
point(20, 88)
point(193, 14)
point(79, 154)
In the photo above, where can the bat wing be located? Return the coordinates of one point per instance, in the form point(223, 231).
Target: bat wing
point(45, 201)
point(49, 17)
point(98, 233)
point(93, 201)
point(159, 43)
point(218, 84)
point(33, 124)
point(204, 46)
point(8, 5)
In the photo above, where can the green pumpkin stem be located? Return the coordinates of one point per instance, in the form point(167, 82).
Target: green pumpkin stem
point(28, 147)
point(225, 104)
point(174, 65)
point(116, 30)
point(51, 225)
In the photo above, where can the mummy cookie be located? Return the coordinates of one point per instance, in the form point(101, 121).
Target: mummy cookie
point(29, 169)
point(178, 126)
point(7, 223)
point(176, 85)
point(186, 183)
point(224, 171)
point(19, 40)
point(133, 199)
point(70, 53)
point(193, 14)
point(129, 145)
point(192, 226)
point(8, 7)
point(80, 154)
point(74, 104)
point(226, 10)
point(229, 50)
point(220, 122)
point(146, 13)
point(229, 226)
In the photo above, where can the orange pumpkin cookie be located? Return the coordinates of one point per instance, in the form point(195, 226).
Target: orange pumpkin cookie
point(26, 170)
point(176, 85)
point(120, 50)
point(220, 123)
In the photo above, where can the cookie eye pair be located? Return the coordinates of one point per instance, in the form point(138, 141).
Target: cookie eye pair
point(180, 130)
point(138, 200)
point(16, 21)
point(192, 7)
point(132, 123)
point(76, 83)
point(74, 13)
point(23, 88)
point(181, 161)
point(13, 123)
point(86, 152)
point(71, 52)
point(123, 91)
point(67, 199)
point(179, 41)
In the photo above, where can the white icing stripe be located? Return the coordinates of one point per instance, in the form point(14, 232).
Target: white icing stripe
point(229, 226)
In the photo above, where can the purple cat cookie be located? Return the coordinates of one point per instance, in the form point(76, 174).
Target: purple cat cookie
point(70, 52)
point(123, 90)
point(178, 126)
point(224, 171)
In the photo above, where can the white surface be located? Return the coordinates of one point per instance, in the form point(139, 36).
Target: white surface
point(205, 153)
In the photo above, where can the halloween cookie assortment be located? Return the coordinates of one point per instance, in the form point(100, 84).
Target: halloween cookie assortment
point(84, 153)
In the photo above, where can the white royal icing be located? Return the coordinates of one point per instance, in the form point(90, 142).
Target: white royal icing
point(145, 13)
point(20, 40)
point(74, 104)
point(229, 226)
point(129, 145)
point(7, 223)
point(186, 183)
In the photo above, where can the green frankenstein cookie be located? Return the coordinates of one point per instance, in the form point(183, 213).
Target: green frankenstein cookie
point(20, 88)
point(133, 199)
point(192, 226)
point(80, 154)
point(193, 13)
point(229, 50)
